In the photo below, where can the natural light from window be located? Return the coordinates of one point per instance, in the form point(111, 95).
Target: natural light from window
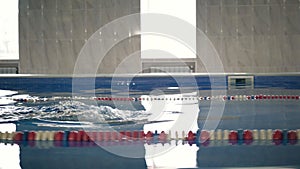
point(9, 30)
point(185, 10)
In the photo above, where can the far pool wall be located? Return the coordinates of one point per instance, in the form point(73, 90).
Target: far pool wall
point(257, 36)
point(251, 36)
point(52, 33)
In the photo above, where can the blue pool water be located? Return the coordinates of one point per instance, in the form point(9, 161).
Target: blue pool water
point(38, 85)
point(61, 114)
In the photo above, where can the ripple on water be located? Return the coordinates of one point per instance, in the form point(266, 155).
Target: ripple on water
point(68, 111)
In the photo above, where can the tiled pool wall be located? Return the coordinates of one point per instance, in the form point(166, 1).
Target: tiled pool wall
point(48, 84)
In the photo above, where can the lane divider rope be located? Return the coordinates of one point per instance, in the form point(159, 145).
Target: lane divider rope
point(153, 98)
point(277, 136)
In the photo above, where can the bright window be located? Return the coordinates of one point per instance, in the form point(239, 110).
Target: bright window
point(182, 9)
point(9, 30)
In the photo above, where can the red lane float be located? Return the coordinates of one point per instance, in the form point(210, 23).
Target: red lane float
point(100, 136)
point(142, 135)
point(114, 136)
point(135, 135)
point(58, 136)
point(204, 136)
point(233, 135)
point(292, 135)
point(121, 135)
point(128, 135)
point(72, 136)
point(85, 136)
point(149, 136)
point(31, 136)
point(79, 135)
point(191, 136)
point(18, 136)
point(247, 135)
point(93, 136)
point(117, 99)
point(162, 136)
point(107, 136)
point(277, 135)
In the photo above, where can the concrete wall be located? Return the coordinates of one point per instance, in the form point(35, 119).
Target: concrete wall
point(52, 33)
point(254, 36)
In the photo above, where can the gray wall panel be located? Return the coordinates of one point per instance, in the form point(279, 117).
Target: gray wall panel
point(49, 4)
point(261, 52)
point(267, 40)
point(37, 56)
point(64, 24)
point(296, 51)
point(229, 2)
point(275, 51)
point(23, 48)
point(244, 2)
point(35, 24)
point(78, 4)
point(24, 25)
point(76, 47)
point(277, 2)
point(213, 20)
point(229, 20)
point(92, 21)
point(35, 4)
point(64, 51)
point(63, 4)
point(58, 29)
point(245, 21)
point(213, 2)
point(292, 19)
point(276, 20)
point(78, 24)
point(294, 2)
point(201, 17)
point(229, 57)
point(261, 20)
point(51, 55)
point(49, 24)
point(23, 4)
point(260, 2)
point(287, 49)
point(92, 4)
point(245, 52)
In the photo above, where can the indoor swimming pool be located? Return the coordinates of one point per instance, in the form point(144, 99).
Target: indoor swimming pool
point(110, 106)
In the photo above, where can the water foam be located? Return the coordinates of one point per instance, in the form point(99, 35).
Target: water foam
point(68, 110)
